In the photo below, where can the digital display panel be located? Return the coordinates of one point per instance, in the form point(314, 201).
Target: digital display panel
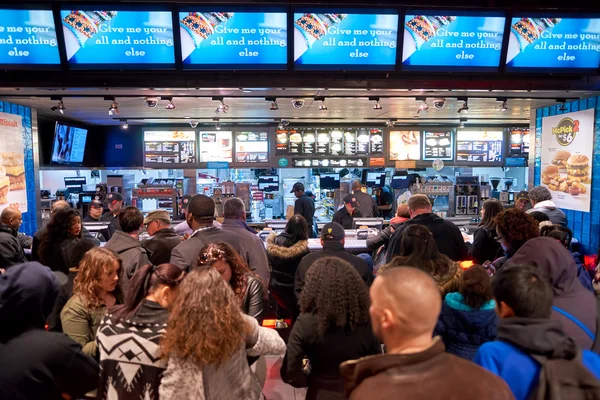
point(479, 146)
point(251, 147)
point(330, 181)
point(268, 183)
point(170, 148)
point(69, 144)
point(438, 146)
point(375, 179)
point(405, 145)
point(216, 146)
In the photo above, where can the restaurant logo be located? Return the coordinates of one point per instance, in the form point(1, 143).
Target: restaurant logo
point(9, 123)
point(565, 131)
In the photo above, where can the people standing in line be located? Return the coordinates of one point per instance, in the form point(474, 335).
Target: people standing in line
point(522, 201)
point(541, 200)
point(485, 247)
point(366, 205)
point(285, 251)
point(163, 239)
point(207, 342)
point(115, 204)
point(35, 363)
point(126, 243)
point(468, 318)
point(95, 212)
point(385, 203)
point(447, 236)
point(574, 305)
point(11, 251)
point(513, 229)
point(200, 217)
point(63, 232)
point(95, 290)
point(533, 353)
point(379, 243)
point(183, 229)
point(140, 323)
point(418, 250)
point(252, 248)
point(333, 327)
point(332, 242)
point(304, 206)
point(247, 286)
point(345, 215)
point(405, 304)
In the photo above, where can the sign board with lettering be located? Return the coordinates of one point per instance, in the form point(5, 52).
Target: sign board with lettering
point(13, 184)
point(338, 40)
point(123, 38)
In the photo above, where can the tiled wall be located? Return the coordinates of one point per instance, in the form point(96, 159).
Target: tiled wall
point(30, 217)
point(585, 226)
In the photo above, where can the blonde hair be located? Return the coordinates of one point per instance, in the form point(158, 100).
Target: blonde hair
point(92, 268)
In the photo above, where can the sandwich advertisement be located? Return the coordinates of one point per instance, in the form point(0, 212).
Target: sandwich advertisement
point(12, 164)
point(567, 151)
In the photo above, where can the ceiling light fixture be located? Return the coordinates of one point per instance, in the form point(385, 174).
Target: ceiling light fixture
point(170, 105)
point(60, 106)
point(274, 105)
point(462, 122)
point(563, 104)
point(390, 123)
point(504, 106)
point(465, 106)
point(114, 108)
point(322, 106)
point(217, 123)
point(245, 90)
point(125, 124)
point(377, 105)
point(221, 108)
point(424, 106)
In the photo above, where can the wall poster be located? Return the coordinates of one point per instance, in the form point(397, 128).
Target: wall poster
point(13, 191)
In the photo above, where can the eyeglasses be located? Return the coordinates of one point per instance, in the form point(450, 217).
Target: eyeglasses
point(209, 257)
point(498, 238)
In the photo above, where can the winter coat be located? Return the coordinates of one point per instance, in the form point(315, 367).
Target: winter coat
point(40, 234)
point(284, 258)
point(431, 374)
point(383, 237)
point(463, 328)
point(81, 323)
point(557, 217)
point(366, 205)
point(251, 247)
point(325, 353)
point(11, 251)
point(253, 303)
point(161, 245)
point(131, 252)
point(556, 262)
point(484, 247)
point(35, 363)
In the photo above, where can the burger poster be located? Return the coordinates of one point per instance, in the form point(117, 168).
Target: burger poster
point(567, 149)
point(405, 145)
point(12, 164)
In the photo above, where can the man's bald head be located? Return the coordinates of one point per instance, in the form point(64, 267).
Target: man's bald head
point(356, 185)
point(12, 217)
point(59, 205)
point(406, 303)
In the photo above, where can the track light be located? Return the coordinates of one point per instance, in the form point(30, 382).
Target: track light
point(217, 124)
point(125, 124)
point(377, 105)
point(170, 105)
point(465, 107)
point(274, 105)
point(563, 105)
point(114, 108)
point(221, 108)
point(322, 106)
point(60, 106)
point(424, 106)
point(462, 123)
point(389, 123)
point(504, 106)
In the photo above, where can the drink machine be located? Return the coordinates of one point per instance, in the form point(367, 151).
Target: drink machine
point(467, 195)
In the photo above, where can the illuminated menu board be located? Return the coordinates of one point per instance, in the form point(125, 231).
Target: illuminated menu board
point(252, 147)
point(308, 142)
point(295, 138)
point(169, 148)
point(479, 146)
point(437, 146)
point(216, 146)
point(329, 162)
point(519, 142)
point(323, 141)
point(405, 145)
point(350, 148)
point(376, 137)
point(282, 142)
point(363, 142)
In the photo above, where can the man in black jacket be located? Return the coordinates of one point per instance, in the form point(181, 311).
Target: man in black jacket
point(304, 206)
point(345, 215)
point(332, 240)
point(11, 251)
point(447, 236)
point(163, 238)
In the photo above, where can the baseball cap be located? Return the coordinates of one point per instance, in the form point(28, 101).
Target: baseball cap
point(523, 195)
point(114, 197)
point(333, 231)
point(298, 187)
point(162, 215)
point(351, 199)
point(185, 201)
point(96, 204)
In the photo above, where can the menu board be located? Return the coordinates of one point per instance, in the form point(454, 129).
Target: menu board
point(295, 141)
point(437, 146)
point(28, 37)
point(553, 43)
point(350, 146)
point(323, 141)
point(215, 146)
point(363, 142)
point(249, 40)
point(282, 142)
point(468, 41)
point(308, 142)
point(337, 142)
point(169, 148)
point(334, 40)
point(479, 146)
point(118, 37)
point(519, 142)
point(405, 145)
point(376, 137)
point(252, 147)
point(328, 162)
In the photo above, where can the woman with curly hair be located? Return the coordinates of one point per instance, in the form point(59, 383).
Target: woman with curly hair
point(247, 286)
point(207, 341)
point(95, 290)
point(333, 327)
point(513, 228)
point(63, 231)
point(418, 250)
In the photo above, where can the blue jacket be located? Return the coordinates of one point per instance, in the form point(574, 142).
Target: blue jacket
point(462, 328)
point(518, 369)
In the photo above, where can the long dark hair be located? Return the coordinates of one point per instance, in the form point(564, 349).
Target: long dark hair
point(418, 250)
point(558, 232)
point(336, 293)
point(476, 287)
point(145, 281)
point(57, 231)
point(492, 208)
point(297, 228)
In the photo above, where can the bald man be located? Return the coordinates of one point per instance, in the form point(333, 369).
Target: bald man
point(11, 251)
point(366, 204)
point(405, 305)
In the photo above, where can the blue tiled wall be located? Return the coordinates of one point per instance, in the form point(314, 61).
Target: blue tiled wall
point(29, 218)
point(585, 226)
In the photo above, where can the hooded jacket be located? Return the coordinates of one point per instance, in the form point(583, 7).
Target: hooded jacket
point(284, 258)
point(557, 217)
point(251, 247)
point(559, 267)
point(131, 252)
point(11, 251)
point(161, 245)
point(37, 364)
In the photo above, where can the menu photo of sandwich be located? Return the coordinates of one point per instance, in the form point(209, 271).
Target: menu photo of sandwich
point(4, 185)
point(577, 178)
point(15, 169)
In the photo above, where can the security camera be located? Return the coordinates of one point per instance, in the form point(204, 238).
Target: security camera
point(285, 122)
point(193, 124)
point(151, 101)
point(439, 103)
point(298, 103)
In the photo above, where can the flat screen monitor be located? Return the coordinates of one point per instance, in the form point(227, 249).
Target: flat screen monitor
point(28, 38)
point(121, 37)
point(479, 146)
point(236, 38)
point(69, 144)
point(467, 41)
point(268, 183)
point(85, 199)
point(75, 183)
point(400, 182)
point(337, 39)
point(330, 181)
point(168, 149)
point(375, 179)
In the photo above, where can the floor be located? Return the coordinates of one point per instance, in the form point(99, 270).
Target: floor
point(275, 388)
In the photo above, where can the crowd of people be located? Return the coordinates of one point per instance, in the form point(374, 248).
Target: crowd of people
point(180, 315)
